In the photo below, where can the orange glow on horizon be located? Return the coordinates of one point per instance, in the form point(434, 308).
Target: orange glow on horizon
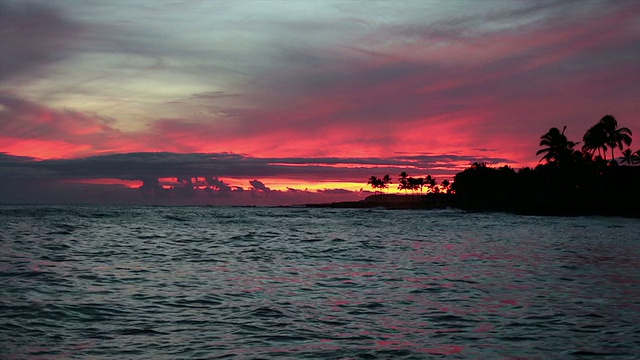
point(279, 184)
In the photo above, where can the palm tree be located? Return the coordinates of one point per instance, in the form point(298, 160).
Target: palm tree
point(386, 180)
point(374, 182)
point(557, 147)
point(595, 139)
point(431, 182)
point(419, 184)
point(627, 157)
point(403, 182)
point(606, 134)
point(615, 136)
point(636, 157)
point(427, 183)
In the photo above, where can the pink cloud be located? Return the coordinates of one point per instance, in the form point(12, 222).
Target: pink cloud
point(450, 87)
point(31, 129)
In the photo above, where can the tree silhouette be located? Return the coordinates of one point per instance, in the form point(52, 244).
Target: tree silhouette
point(566, 182)
point(595, 139)
point(446, 186)
point(627, 157)
point(415, 184)
point(606, 134)
point(386, 180)
point(403, 182)
point(615, 136)
point(430, 183)
point(558, 147)
point(374, 182)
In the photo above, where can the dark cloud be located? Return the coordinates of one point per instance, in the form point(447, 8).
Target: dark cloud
point(145, 166)
point(218, 184)
point(198, 176)
point(151, 185)
point(486, 85)
point(334, 191)
point(258, 185)
point(33, 35)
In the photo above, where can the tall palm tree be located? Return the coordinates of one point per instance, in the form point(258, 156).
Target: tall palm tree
point(386, 180)
point(427, 183)
point(374, 182)
point(431, 182)
point(595, 139)
point(627, 157)
point(558, 147)
point(412, 184)
point(606, 135)
point(403, 182)
point(419, 184)
point(615, 136)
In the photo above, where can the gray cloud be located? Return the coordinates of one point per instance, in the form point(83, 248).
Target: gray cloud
point(218, 184)
point(363, 80)
point(198, 177)
point(258, 185)
point(33, 35)
point(147, 166)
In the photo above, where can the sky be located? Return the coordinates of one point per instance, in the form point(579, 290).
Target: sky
point(291, 102)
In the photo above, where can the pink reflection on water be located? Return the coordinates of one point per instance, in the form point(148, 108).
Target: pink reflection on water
point(363, 274)
point(443, 350)
point(395, 344)
point(484, 328)
point(341, 302)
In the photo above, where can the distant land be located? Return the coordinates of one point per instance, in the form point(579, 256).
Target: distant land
point(566, 182)
point(396, 202)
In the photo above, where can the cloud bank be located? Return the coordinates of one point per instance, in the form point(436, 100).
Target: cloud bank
point(305, 90)
point(200, 178)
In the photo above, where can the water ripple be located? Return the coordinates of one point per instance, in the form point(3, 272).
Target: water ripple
point(191, 282)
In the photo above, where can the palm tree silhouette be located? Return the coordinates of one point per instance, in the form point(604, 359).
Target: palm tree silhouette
point(403, 182)
point(615, 136)
point(431, 182)
point(417, 184)
point(374, 182)
point(636, 157)
point(386, 180)
point(595, 139)
point(557, 146)
point(606, 134)
point(628, 157)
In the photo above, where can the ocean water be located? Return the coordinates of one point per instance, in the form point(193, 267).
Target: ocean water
point(108, 282)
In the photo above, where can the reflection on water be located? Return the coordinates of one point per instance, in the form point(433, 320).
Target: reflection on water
point(176, 282)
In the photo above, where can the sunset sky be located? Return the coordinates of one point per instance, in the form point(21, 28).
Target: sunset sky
point(286, 102)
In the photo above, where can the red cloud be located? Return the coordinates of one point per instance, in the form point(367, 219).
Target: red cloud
point(451, 87)
point(34, 130)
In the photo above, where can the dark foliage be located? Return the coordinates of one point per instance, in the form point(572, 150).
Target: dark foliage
point(570, 182)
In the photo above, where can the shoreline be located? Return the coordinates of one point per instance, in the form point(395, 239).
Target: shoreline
point(449, 201)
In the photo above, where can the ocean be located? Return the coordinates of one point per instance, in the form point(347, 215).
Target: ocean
point(112, 282)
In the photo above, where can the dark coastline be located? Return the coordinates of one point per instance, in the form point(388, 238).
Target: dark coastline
point(566, 182)
point(395, 202)
point(615, 206)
